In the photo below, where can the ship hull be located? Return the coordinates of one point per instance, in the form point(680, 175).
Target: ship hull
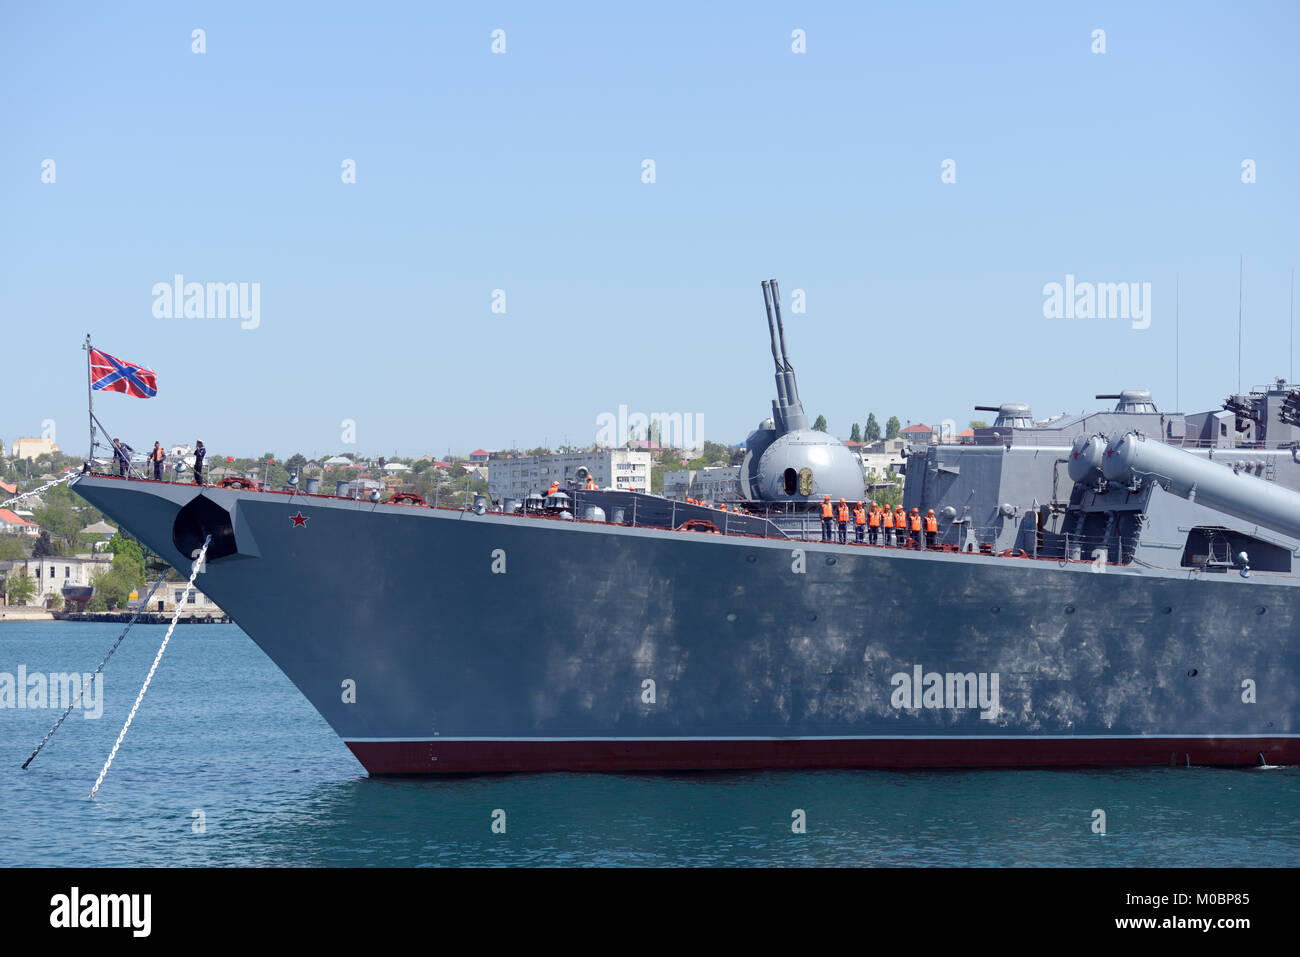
point(439, 641)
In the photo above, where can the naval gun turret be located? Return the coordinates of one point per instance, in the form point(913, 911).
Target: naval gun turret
point(786, 461)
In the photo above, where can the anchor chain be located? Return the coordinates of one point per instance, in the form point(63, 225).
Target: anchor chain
point(22, 495)
point(189, 586)
point(143, 605)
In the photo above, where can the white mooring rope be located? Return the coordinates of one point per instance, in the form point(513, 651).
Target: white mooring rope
point(100, 668)
point(189, 586)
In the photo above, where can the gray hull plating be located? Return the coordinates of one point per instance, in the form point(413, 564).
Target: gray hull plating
point(454, 627)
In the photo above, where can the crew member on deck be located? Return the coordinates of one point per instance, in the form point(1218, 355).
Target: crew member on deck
point(931, 528)
point(199, 453)
point(122, 452)
point(555, 487)
point(843, 519)
point(859, 521)
point(873, 524)
point(887, 523)
point(826, 518)
point(916, 527)
point(591, 484)
point(156, 457)
point(900, 526)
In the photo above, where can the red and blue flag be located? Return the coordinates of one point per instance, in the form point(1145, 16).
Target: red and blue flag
point(113, 375)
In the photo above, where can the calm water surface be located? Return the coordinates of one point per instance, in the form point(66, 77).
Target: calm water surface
point(222, 732)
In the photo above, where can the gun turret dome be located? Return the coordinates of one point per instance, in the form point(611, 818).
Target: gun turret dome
point(1011, 415)
point(785, 461)
point(807, 464)
point(1132, 400)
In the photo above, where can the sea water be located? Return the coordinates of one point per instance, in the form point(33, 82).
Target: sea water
point(226, 764)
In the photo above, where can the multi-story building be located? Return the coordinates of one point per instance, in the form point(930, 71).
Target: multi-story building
point(51, 574)
point(33, 448)
point(718, 483)
point(515, 476)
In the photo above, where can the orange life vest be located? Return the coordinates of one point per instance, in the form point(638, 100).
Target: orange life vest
point(888, 518)
point(844, 513)
point(931, 523)
point(874, 518)
point(555, 487)
point(900, 518)
point(157, 454)
point(826, 510)
point(916, 521)
point(859, 516)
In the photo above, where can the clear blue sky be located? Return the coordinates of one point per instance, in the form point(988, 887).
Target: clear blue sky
point(522, 172)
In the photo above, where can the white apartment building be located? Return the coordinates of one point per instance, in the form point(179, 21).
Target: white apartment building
point(612, 468)
point(51, 574)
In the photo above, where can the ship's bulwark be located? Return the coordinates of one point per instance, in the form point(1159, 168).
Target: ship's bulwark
point(503, 643)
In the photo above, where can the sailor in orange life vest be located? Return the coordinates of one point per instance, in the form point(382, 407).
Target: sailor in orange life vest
point(826, 518)
point(887, 524)
point(931, 528)
point(555, 487)
point(156, 457)
point(842, 516)
point(591, 484)
point(916, 527)
point(900, 527)
point(859, 521)
point(873, 524)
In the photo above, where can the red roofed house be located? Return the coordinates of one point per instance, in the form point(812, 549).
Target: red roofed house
point(918, 434)
point(16, 525)
point(479, 456)
point(6, 487)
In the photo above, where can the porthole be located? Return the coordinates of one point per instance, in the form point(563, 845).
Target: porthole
point(751, 558)
point(1260, 610)
point(1193, 673)
point(1166, 610)
point(830, 561)
point(995, 609)
point(1069, 609)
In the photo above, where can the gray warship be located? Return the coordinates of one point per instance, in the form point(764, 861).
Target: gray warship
point(1108, 589)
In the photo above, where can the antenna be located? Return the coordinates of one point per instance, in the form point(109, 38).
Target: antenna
point(1241, 272)
point(1178, 404)
point(1291, 374)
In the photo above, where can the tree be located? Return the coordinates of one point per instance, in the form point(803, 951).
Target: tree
point(11, 548)
point(114, 584)
point(295, 462)
point(978, 424)
point(820, 424)
point(63, 525)
point(19, 587)
point(892, 427)
point(42, 547)
point(872, 431)
point(855, 435)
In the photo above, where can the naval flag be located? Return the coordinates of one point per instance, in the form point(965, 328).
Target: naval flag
point(113, 375)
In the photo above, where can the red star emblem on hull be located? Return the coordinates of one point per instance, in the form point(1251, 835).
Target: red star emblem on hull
point(299, 521)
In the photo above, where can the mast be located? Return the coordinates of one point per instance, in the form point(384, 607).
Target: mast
point(90, 403)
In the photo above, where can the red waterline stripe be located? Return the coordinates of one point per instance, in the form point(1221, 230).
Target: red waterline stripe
point(479, 756)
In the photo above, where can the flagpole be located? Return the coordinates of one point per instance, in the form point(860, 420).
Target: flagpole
point(90, 406)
